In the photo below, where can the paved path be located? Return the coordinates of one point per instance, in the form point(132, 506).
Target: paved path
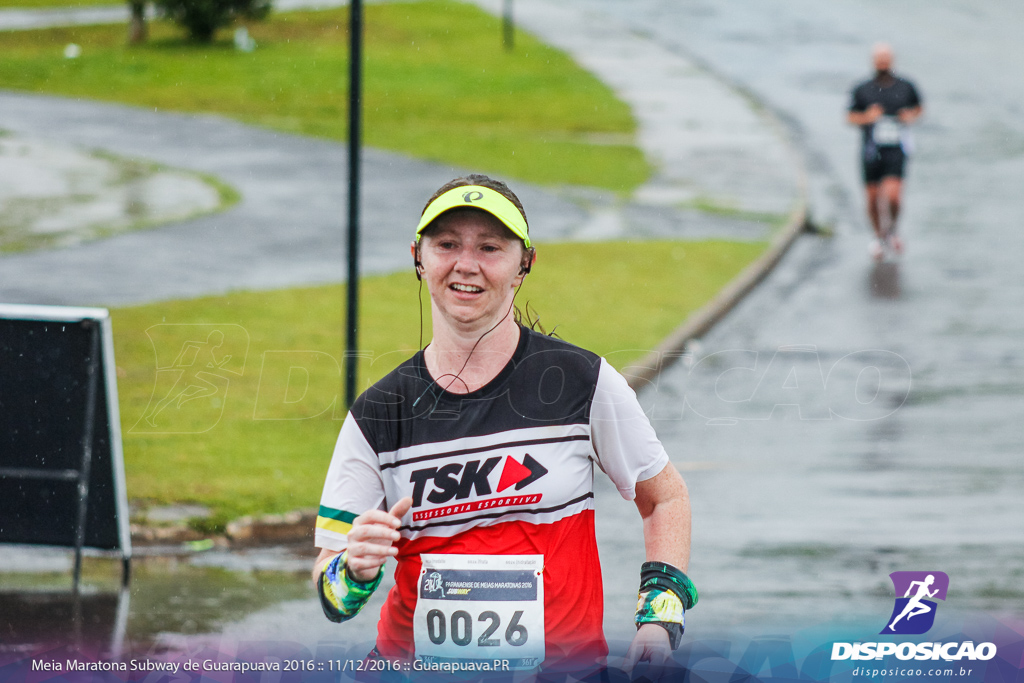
point(707, 141)
point(25, 19)
point(59, 195)
point(822, 471)
point(289, 227)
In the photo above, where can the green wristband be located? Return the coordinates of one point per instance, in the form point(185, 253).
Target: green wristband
point(666, 577)
point(341, 596)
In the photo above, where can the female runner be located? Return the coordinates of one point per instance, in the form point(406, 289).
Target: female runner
point(472, 465)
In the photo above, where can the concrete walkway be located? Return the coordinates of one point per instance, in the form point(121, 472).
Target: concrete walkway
point(289, 227)
point(17, 19)
point(708, 143)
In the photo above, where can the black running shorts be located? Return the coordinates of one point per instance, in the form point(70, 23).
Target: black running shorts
point(887, 162)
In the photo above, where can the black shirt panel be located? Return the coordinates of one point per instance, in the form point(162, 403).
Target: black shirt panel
point(893, 94)
point(547, 382)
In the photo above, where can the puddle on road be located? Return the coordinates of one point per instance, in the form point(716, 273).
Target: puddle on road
point(884, 281)
point(52, 195)
point(168, 595)
point(259, 604)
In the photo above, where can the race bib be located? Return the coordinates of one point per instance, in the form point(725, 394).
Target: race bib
point(480, 608)
point(886, 131)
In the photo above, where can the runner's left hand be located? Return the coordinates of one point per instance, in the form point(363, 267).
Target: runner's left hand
point(650, 644)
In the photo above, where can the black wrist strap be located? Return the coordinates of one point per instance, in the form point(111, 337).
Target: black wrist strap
point(675, 632)
point(666, 577)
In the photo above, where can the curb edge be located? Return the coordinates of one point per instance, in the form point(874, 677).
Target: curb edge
point(701, 321)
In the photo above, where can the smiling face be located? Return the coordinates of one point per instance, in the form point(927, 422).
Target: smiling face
point(471, 264)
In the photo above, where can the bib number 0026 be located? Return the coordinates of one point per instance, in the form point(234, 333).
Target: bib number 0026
point(480, 608)
point(459, 627)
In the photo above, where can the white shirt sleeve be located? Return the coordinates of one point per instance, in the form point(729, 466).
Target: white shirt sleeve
point(353, 486)
point(627, 448)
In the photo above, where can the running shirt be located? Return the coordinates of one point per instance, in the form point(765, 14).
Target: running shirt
point(893, 93)
point(505, 470)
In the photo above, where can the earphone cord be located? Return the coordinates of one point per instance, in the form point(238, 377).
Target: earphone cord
point(419, 297)
point(457, 375)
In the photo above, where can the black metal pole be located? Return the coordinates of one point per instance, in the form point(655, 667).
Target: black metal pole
point(126, 571)
point(91, 386)
point(355, 103)
point(508, 26)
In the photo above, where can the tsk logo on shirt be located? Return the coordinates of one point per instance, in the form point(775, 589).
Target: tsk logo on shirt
point(460, 481)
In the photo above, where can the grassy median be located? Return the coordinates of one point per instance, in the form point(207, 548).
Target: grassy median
point(438, 85)
point(260, 438)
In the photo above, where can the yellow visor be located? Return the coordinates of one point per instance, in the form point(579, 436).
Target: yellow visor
point(477, 197)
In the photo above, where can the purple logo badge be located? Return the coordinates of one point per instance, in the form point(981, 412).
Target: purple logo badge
point(914, 612)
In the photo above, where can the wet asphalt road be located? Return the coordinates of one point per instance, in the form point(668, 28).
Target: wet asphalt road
point(288, 230)
point(848, 420)
point(813, 472)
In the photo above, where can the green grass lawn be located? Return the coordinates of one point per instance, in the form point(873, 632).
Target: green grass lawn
point(263, 441)
point(438, 85)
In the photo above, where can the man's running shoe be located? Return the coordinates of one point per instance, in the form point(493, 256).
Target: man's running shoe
point(875, 249)
point(896, 244)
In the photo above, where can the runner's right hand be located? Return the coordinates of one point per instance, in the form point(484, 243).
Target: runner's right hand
point(371, 539)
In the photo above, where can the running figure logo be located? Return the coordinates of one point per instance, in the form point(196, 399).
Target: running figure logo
point(914, 613)
point(194, 367)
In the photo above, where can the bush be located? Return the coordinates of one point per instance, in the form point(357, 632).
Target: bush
point(202, 18)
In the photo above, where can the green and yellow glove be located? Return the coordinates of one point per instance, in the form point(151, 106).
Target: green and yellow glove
point(341, 596)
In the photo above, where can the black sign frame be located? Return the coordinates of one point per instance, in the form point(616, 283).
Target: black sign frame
point(62, 479)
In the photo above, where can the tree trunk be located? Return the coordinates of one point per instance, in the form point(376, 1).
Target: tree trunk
point(137, 23)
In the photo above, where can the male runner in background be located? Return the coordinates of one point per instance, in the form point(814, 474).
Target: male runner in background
point(883, 107)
